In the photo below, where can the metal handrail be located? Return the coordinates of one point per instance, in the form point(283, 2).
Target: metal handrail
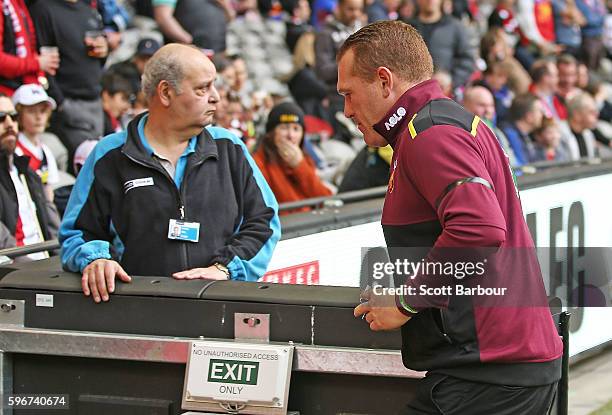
point(547, 164)
point(18, 251)
point(351, 196)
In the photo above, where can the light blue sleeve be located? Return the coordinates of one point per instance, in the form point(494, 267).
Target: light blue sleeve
point(77, 251)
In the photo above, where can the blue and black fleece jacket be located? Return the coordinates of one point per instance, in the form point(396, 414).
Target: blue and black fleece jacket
point(123, 201)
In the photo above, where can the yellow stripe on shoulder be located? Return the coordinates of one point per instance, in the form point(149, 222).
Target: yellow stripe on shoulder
point(475, 122)
point(411, 129)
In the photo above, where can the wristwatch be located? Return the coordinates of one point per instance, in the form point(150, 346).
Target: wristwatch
point(403, 307)
point(222, 268)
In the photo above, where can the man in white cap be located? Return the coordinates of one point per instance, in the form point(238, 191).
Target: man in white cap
point(26, 216)
point(35, 107)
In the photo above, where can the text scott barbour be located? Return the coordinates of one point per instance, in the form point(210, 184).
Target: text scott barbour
point(444, 290)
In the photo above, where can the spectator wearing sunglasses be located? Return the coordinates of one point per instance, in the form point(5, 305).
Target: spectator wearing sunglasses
point(26, 216)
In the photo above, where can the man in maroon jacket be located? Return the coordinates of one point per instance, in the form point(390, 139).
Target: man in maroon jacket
point(452, 195)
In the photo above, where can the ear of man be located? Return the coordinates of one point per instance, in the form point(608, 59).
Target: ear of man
point(165, 93)
point(385, 77)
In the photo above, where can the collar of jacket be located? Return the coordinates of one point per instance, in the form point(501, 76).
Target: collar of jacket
point(133, 148)
point(20, 162)
point(401, 113)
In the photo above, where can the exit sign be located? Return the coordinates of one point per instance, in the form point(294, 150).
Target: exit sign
point(253, 375)
point(233, 371)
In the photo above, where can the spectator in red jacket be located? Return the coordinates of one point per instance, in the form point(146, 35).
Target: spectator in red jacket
point(19, 62)
point(289, 171)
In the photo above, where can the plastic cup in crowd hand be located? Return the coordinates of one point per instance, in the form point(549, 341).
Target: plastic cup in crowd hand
point(49, 50)
point(53, 52)
point(90, 36)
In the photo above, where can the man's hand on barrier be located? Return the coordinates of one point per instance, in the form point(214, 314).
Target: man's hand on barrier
point(208, 273)
point(380, 311)
point(99, 278)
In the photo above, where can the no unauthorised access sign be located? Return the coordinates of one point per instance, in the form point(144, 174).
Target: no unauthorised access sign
point(254, 376)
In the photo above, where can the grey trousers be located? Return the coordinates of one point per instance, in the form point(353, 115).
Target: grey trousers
point(78, 120)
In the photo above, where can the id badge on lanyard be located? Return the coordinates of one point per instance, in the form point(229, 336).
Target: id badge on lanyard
point(184, 231)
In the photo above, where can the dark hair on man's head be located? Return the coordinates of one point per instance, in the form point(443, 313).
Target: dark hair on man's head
point(392, 44)
point(289, 5)
point(221, 63)
point(522, 105)
point(3, 95)
point(540, 69)
point(234, 57)
point(114, 83)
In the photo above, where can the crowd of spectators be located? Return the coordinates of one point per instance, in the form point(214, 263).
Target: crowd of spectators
point(537, 72)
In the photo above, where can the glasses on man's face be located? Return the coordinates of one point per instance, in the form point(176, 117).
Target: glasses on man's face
point(12, 114)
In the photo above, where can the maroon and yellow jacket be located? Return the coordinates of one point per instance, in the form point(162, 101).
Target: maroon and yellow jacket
point(451, 188)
